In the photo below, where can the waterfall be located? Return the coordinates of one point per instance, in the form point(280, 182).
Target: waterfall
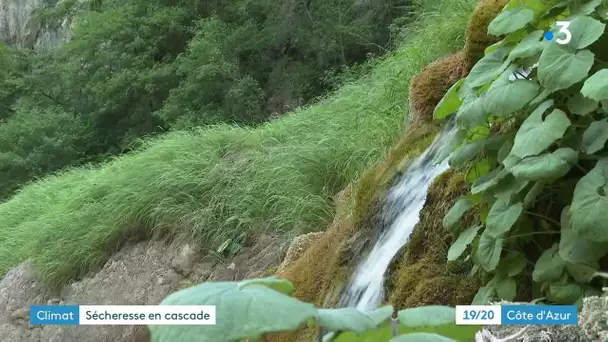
point(401, 210)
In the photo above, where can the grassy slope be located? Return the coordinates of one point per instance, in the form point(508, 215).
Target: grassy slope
point(280, 176)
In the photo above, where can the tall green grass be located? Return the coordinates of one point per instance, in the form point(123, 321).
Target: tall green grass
point(221, 181)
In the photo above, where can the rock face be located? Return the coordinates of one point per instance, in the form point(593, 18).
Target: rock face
point(20, 29)
point(140, 274)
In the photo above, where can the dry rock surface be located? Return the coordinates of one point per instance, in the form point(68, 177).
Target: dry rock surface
point(139, 274)
point(19, 28)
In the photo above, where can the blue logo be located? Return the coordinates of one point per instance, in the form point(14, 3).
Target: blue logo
point(539, 314)
point(54, 315)
point(549, 35)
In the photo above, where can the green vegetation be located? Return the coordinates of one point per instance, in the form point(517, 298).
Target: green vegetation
point(136, 68)
point(221, 182)
point(242, 314)
point(532, 144)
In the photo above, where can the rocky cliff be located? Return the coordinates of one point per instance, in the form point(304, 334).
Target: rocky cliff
point(20, 28)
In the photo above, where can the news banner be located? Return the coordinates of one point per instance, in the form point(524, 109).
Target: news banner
point(205, 314)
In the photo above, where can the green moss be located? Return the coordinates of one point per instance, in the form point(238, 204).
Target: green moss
point(421, 275)
point(477, 37)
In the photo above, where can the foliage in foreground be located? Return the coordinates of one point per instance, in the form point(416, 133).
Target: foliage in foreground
point(533, 123)
point(251, 308)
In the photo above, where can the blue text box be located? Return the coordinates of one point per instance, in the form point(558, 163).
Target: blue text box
point(539, 314)
point(54, 315)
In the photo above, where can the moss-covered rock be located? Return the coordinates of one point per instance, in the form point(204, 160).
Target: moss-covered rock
point(429, 87)
point(477, 37)
point(421, 275)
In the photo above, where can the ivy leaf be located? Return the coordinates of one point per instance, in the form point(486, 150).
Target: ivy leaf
point(512, 264)
point(559, 67)
point(546, 166)
point(488, 251)
point(241, 309)
point(421, 337)
point(582, 105)
point(345, 319)
point(589, 209)
point(502, 216)
point(449, 103)
point(462, 205)
point(535, 135)
point(596, 86)
point(574, 248)
point(510, 20)
point(549, 267)
point(530, 46)
point(506, 96)
point(585, 31)
point(565, 293)
point(464, 239)
point(506, 289)
point(487, 68)
point(471, 113)
point(595, 137)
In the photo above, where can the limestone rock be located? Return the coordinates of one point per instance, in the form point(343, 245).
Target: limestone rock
point(298, 246)
point(20, 29)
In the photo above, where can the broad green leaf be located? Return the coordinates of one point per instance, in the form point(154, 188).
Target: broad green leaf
point(421, 337)
point(577, 249)
point(533, 193)
point(582, 273)
point(595, 136)
point(478, 169)
point(275, 283)
point(582, 105)
point(530, 46)
point(559, 67)
point(453, 142)
point(602, 11)
point(535, 134)
point(510, 20)
point(504, 150)
point(471, 113)
point(424, 316)
point(579, 8)
point(488, 181)
point(512, 264)
point(488, 251)
point(585, 31)
point(502, 216)
point(450, 102)
point(488, 68)
point(506, 96)
point(565, 294)
point(506, 289)
point(484, 295)
point(464, 239)
point(462, 205)
point(596, 86)
point(345, 319)
point(381, 314)
point(546, 166)
point(241, 312)
point(466, 152)
point(589, 209)
point(549, 267)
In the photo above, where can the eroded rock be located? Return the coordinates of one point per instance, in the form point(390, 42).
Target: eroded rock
point(139, 274)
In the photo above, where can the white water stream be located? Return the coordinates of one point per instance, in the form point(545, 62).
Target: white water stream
point(402, 207)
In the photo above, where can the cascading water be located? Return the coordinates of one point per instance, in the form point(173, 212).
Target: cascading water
point(401, 210)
